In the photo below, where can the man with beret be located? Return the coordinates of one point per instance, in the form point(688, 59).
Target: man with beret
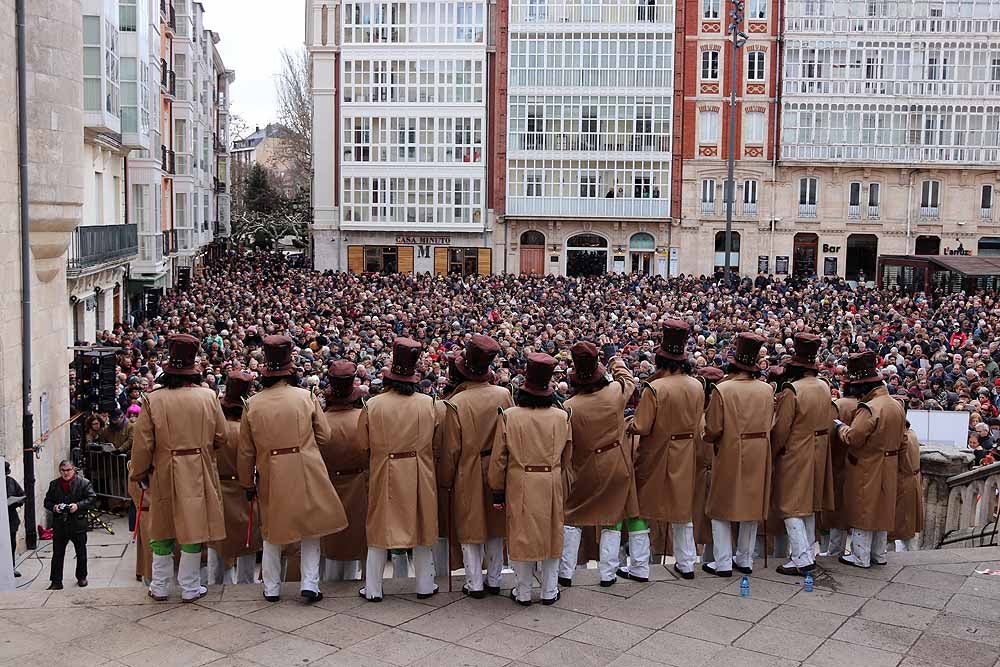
point(398, 429)
point(873, 442)
point(173, 453)
point(738, 424)
point(603, 493)
point(668, 421)
point(800, 442)
point(472, 412)
point(531, 473)
point(281, 433)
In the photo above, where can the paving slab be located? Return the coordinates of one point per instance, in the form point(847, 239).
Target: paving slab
point(779, 642)
point(954, 651)
point(895, 613)
point(876, 635)
point(672, 649)
point(608, 634)
point(834, 653)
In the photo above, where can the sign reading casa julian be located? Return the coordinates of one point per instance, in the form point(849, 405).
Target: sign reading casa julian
point(423, 240)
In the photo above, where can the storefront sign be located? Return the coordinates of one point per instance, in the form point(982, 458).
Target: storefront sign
point(831, 248)
point(404, 239)
point(763, 263)
point(674, 261)
point(829, 266)
point(781, 265)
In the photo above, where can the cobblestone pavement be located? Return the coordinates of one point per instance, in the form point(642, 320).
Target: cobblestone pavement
point(923, 608)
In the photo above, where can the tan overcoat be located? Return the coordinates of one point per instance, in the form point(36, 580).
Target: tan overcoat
point(738, 424)
point(846, 408)
point(909, 490)
point(532, 465)
point(176, 436)
point(873, 442)
point(470, 421)
point(347, 464)
point(702, 482)
point(800, 442)
point(603, 490)
point(281, 433)
point(234, 501)
point(667, 420)
point(399, 433)
point(143, 551)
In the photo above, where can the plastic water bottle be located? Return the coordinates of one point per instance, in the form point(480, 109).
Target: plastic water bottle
point(744, 587)
point(808, 583)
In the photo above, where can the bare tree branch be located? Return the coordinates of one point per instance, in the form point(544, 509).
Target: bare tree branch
point(294, 88)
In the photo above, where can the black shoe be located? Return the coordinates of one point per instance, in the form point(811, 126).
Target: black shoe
point(719, 573)
point(808, 568)
point(683, 575)
point(879, 562)
point(424, 596)
point(17, 574)
point(82, 583)
point(843, 559)
point(55, 586)
point(609, 583)
point(493, 590)
point(312, 596)
point(272, 598)
point(628, 575)
point(565, 583)
point(743, 570)
point(513, 596)
point(478, 595)
point(790, 571)
point(362, 595)
point(552, 601)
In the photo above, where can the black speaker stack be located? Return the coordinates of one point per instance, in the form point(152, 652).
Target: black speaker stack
point(95, 380)
point(184, 278)
point(151, 302)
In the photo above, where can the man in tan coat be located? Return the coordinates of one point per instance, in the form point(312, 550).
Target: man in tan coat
point(398, 430)
point(281, 434)
point(710, 376)
point(347, 464)
point(603, 493)
point(873, 442)
point(835, 520)
point(800, 443)
point(173, 453)
point(909, 494)
point(234, 500)
point(668, 421)
point(470, 422)
point(531, 475)
point(738, 424)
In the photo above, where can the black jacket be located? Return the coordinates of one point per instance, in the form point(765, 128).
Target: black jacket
point(82, 493)
point(14, 490)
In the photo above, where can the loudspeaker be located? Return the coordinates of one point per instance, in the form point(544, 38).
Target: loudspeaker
point(184, 278)
point(151, 302)
point(95, 380)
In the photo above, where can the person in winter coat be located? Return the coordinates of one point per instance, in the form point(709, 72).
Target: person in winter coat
point(15, 498)
point(909, 494)
point(68, 498)
point(531, 475)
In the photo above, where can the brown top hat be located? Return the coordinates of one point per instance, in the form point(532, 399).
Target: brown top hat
point(474, 362)
point(861, 368)
point(711, 374)
point(183, 352)
point(674, 342)
point(747, 349)
point(538, 374)
point(405, 354)
point(237, 388)
point(278, 357)
point(587, 368)
point(806, 347)
point(342, 390)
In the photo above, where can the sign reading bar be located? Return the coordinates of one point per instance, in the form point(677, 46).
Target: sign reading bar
point(423, 240)
point(781, 265)
point(763, 263)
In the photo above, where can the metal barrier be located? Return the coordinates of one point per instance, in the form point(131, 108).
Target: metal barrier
point(108, 472)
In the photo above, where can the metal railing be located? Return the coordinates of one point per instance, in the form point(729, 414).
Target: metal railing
point(873, 212)
point(220, 186)
point(168, 78)
point(986, 213)
point(169, 242)
point(930, 212)
point(93, 245)
point(167, 160)
point(807, 210)
point(854, 212)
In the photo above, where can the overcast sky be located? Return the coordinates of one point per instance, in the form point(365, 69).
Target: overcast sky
point(253, 33)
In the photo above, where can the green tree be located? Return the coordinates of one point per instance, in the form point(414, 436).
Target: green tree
point(258, 194)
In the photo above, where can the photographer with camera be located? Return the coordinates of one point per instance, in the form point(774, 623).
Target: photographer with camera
point(69, 498)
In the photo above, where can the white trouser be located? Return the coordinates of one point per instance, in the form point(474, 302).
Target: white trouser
point(838, 542)
point(685, 550)
point(162, 573)
point(611, 542)
point(473, 557)
point(524, 573)
point(189, 576)
point(244, 573)
point(441, 560)
point(423, 564)
point(722, 544)
point(309, 558)
point(341, 570)
point(800, 548)
point(494, 561)
point(571, 551)
point(868, 546)
point(911, 544)
point(638, 553)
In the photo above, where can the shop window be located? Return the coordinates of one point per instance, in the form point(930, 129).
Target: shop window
point(381, 259)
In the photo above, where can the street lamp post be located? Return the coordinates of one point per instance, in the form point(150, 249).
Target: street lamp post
point(739, 40)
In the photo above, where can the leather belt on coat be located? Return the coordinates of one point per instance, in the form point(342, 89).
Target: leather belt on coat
point(286, 450)
point(753, 436)
point(537, 468)
point(682, 436)
point(186, 452)
point(403, 455)
point(485, 453)
point(823, 431)
point(228, 478)
point(348, 471)
point(605, 448)
point(891, 452)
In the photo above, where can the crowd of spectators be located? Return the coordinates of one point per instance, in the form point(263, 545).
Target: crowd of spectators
point(939, 354)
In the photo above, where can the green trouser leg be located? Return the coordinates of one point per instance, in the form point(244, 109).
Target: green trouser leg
point(634, 525)
point(166, 547)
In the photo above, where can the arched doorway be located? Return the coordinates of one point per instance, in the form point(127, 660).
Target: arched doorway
point(805, 254)
point(720, 251)
point(989, 246)
point(927, 245)
point(862, 256)
point(586, 255)
point(533, 253)
point(640, 250)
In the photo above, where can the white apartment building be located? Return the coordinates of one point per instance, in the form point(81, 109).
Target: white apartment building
point(890, 132)
point(589, 129)
point(405, 186)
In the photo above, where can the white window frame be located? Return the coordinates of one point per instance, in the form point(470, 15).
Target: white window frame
point(756, 66)
point(708, 126)
point(710, 64)
point(754, 128)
